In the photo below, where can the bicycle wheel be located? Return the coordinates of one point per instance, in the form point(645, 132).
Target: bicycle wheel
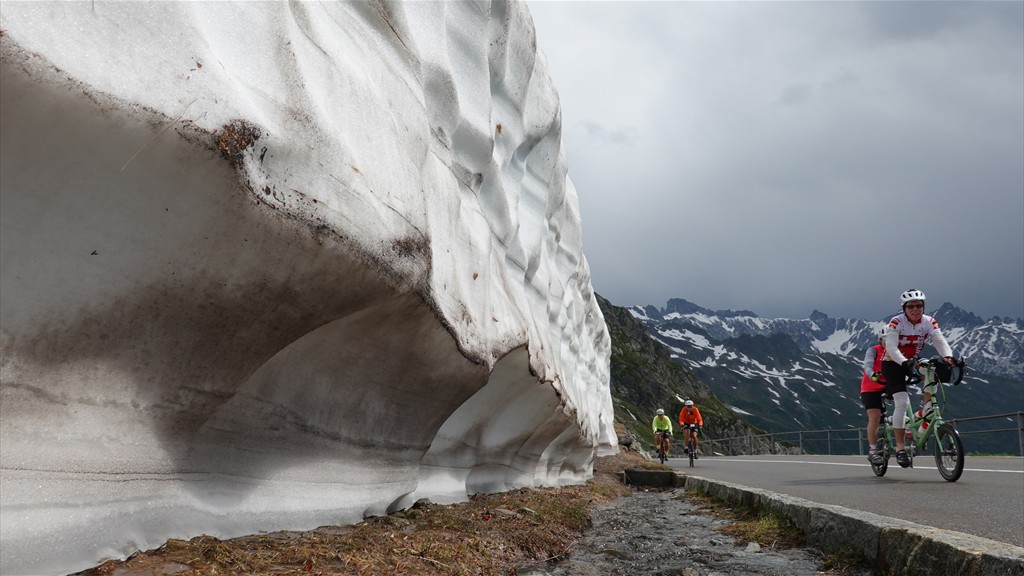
point(691, 451)
point(949, 452)
point(883, 449)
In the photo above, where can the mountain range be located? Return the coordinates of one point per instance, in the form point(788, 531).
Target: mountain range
point(786, 374)
point(644, 377)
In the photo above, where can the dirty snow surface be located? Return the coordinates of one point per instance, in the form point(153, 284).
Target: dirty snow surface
point(277, 265)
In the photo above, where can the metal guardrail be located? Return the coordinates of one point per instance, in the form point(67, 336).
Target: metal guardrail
point(833, 439)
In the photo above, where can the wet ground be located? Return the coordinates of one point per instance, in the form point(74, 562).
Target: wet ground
point(660, 534)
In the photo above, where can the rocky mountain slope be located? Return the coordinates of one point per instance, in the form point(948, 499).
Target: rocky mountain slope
point(645, 377)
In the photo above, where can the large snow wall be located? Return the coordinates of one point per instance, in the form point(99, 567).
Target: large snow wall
point(280, 265)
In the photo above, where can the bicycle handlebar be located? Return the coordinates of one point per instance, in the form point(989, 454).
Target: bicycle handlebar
point(936, 361)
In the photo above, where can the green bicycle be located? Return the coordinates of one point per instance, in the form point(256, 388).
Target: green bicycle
point(948, 448)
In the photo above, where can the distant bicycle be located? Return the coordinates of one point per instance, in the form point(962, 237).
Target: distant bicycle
point(691, 445)
point(948, 448)
point(662, 440)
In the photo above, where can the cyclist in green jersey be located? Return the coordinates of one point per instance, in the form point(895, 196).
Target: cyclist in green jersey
point(661, 426)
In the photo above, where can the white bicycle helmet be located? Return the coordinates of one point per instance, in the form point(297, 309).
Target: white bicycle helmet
point(660, 412)
point(911, 295)
point(688, 403)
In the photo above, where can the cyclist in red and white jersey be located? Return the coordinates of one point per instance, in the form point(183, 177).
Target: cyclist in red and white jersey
point(905, 337)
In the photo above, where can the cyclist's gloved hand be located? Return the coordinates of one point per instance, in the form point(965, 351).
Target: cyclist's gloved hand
point(908, 365)
point(698, 429)
point(876, 376)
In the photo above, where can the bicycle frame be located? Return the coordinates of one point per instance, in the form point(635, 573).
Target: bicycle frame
point(918, 441)
point(949, 451)
point(662, 443)
point(688, 441)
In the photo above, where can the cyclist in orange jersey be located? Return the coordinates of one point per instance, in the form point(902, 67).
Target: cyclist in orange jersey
point(687, 416)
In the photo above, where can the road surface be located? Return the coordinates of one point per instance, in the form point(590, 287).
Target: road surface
point(987, 501)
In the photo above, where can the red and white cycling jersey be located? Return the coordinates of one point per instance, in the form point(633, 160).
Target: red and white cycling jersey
point(904, 340)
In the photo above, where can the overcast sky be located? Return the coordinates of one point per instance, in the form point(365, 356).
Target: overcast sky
point(783, 157)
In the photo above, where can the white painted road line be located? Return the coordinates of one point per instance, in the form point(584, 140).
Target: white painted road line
point(719, 459)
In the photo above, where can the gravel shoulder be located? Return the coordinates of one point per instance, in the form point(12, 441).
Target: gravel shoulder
point(667, 533)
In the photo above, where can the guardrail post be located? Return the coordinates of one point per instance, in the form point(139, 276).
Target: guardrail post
point(771, 443)
point(860, 442)
point(1020, 431)
point(800, 434)
point(828, 436)
point(750, 444)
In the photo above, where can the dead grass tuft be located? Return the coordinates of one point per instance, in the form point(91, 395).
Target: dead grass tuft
point(766, 527)
point(846, 562)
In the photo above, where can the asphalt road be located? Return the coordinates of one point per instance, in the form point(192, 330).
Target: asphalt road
point(987, 501)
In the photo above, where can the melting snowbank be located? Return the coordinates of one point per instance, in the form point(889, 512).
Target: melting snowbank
point(281, 265)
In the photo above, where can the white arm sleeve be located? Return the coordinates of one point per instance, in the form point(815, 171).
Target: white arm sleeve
point(869, 361)
point(940, 344)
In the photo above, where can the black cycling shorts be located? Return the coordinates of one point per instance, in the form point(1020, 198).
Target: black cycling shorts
point(895, 377)
point(871, 400)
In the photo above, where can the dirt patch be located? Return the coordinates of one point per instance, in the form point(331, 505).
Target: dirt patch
point(234, 138)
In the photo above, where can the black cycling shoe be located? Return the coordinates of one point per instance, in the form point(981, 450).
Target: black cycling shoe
point(902, 459)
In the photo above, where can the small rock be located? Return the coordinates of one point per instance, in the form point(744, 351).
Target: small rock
point(753, 547)
point(611, 552)
point(507, 513)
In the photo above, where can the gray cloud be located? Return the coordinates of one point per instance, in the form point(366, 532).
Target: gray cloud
point(796, 93)
point(611, 136)
point(785, 157)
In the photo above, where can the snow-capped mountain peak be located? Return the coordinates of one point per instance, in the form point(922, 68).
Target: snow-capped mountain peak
point(993, 346)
